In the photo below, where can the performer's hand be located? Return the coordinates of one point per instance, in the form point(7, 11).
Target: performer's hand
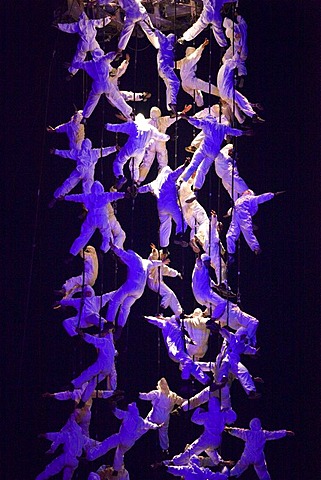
point(206, 42)
point(289, 433)
point(279, 193)
point(50, 129)
point(47, 395)
point(186, 109)
point(127, 57)
point(52, 151)
point(213, 213)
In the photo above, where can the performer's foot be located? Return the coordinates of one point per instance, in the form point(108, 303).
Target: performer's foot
point(190, 149)
point(257, 119)
point(69, 77)
point(254, 395)
point(179, 240)
point(257, 251)
point(146, 96)
point(60, 292)
point(181, 41)
point(258, 380)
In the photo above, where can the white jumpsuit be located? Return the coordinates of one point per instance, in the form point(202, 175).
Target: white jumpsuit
point(99, 69)
point(156, 283)
point(163, 402)
point(195, 472)
point(166, 65)
point(228, 92)
point(135, 12)
point(233, 315)
point(190, 83)
point(211, 15)
point(194, 214)
point(216, 112)
point(215, 250)
point(89, 275)
point(253, 453)
point(132, 428)
point(239, 31)
point(140, 134)
point(87, 308)
point(155, 147)
point(174, 340)
point(74, 130)
point(86, 159)
point(244, 209)
point(87, 31)
point(97, 216)
point(118, 72)
point(214, 421)
point(195, 325)
point(209, 148)
point(118, 235)
point(164, 189)
point(226, 169)
point(101, 368)
point(71, 437)
point(229, 360)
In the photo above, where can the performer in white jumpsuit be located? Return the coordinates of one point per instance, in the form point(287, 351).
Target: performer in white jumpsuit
point(133, 288)
point(87, 31)
point(97, 217)
point(74, 130)
point(87, 308)
point(194, 471)
point(157, 147)
point(244, 209)
point(238, 30)
point(86, 159)
point(140, 133)
point(226, 169)
point(190, 83)
point(165, 66)
point(73, 441)
point(195, 325)
point(253, 454)
point(163, 401)
point(102, 367)
point(118, 236)
point(98, 69)
point(209, 148)
point(214, 421)
point(194, 214)
point(132, 428)
point(201, 285)
point(233, 346)
point(88, 277)
point(174, 338)
point(228, 92)
point(128, 96)
point(211, 15)
point(164, 189)
point(135, 12)
point(156, 282)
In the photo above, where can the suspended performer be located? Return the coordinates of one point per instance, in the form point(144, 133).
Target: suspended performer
point(86, 159)
point(118, 236)
point(99, 69)
point(226, 168)
point(191, 84)
point(253, 454)
point(87, 31)
point(194, 470)
point(163, 402)
point(74, 130)
point(97, 218)
point(236, 32)
point(140, 133)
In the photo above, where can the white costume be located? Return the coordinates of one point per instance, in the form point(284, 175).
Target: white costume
point(86, 159)
point(74, 130)
point(163, 401)
point(244, 209)
point(226, 169)
point(87, 31)
point(236, 318)
point(165, 66)
point(101, 368)
point(194, 471)
point(164, 189)
point(228, 360)
point(155, 146)
point(72, 439)
point(174, 339)
point(140, 134)
point(228, 93)
point(211, 15)
point(131, 290)
point(216, 111)
point(239, 31)
point(87, 308)
point(156, 283)
point(195, 325)
point(97, 216)
point(216, 250)
point(128, 96)
point(194, 214)
point(190, 83)
point(223, 394)
point(135, 12)
point(253, 453)
point(209, 148)
point(214, 421)
point(132, 428)
point(87, 277)
point(118, 235)
point(99, 68)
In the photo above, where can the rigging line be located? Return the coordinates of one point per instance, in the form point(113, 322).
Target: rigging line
point(36, 216)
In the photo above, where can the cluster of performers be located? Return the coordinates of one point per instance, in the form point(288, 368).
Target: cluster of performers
point(176, 191)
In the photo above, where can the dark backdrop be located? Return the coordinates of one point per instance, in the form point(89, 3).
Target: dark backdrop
point(280, 287)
